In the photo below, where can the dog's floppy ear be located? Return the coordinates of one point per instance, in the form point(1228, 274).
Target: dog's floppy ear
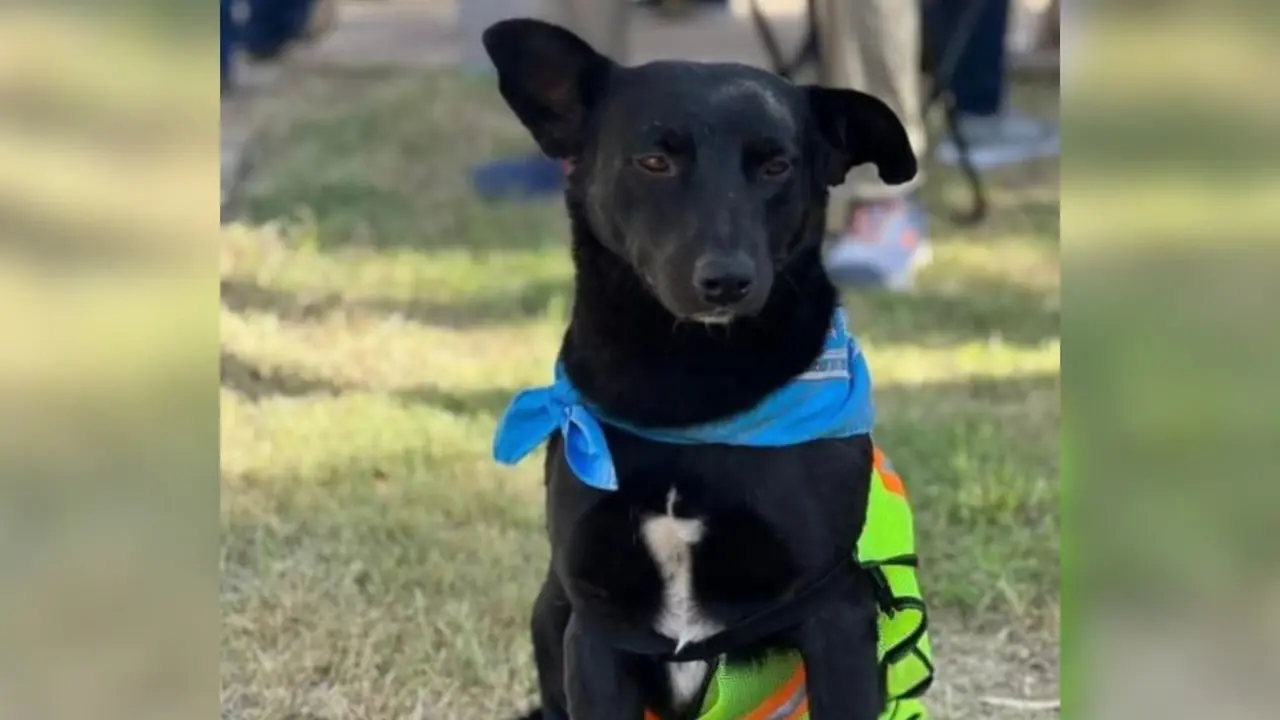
point(861, 129)
point(550, 77)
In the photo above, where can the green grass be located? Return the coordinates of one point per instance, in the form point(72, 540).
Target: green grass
point(376, 563)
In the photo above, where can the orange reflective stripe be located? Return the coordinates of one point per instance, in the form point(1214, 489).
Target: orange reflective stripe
point(648, 715)
point(892, 482)
point(779, 699)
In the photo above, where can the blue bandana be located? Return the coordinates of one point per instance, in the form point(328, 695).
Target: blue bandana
point(832, 399)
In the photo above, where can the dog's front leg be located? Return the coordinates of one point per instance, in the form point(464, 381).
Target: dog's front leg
point(550, 619)
point(599, 683)
point(838, 646)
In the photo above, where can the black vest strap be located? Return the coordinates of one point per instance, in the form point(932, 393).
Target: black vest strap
point(787, 612)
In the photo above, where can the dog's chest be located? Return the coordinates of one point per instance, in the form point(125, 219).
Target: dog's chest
point(695, 540)
point(671, 540)
point(681, 548)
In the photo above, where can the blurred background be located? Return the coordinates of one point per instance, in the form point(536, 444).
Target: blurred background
point(378, 308)
point(108, 433)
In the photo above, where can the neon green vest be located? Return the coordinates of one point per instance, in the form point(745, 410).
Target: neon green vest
point(774, 688)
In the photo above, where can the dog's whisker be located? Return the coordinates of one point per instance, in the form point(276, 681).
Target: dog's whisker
point(790, 282)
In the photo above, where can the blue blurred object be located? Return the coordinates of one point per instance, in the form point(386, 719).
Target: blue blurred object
point(1009, 137)
point(273, 24)
point(518, 178)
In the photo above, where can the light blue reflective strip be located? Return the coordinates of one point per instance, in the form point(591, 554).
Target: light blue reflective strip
point(790, 706)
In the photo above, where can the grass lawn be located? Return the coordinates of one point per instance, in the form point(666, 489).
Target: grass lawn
point(377, 564)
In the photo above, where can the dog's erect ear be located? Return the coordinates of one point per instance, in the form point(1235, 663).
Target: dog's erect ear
point(550, 77)
point(862, 129)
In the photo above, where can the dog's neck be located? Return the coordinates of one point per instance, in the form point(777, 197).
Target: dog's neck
point(635, 361)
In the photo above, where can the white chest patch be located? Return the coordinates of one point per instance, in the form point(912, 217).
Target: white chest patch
point(670, 540)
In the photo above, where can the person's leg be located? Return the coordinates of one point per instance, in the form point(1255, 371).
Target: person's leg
point(997, 134)
point(273, 24)
point(978, 82)
point(603, 24)
point(227, 44)
point(874, 46)
point(678, 6)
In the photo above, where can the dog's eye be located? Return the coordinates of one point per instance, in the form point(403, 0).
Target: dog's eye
point(775, 168)
point(655, 164)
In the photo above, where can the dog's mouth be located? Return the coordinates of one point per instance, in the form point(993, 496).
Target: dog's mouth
point(686, 308)
point(715, 317)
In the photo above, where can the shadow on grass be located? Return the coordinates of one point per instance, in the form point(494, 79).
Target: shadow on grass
point(999, 309)
point(1034, 218)
point(257, 383)
point(489, 402)
point(995, 398)
point(362, 215)
point(1028, 214)
point(522, 302)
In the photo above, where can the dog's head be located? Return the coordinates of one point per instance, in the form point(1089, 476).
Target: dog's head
point(703, 178)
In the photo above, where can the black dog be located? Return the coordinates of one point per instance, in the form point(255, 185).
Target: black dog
point(697, 199)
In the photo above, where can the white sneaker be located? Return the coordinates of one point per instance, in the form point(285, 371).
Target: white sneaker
point(883, 249)
point(1007, 138)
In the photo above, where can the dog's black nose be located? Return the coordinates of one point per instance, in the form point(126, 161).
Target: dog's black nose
point(724, 280)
